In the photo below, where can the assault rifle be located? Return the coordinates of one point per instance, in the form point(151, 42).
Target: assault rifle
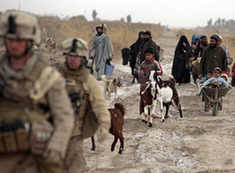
point(76, 101)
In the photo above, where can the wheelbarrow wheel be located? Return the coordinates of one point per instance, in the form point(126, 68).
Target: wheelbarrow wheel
point(215, 109)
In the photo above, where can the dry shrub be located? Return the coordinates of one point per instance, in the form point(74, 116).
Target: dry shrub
point(121, 34)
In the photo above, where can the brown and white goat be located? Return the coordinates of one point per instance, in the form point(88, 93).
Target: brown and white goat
point(148, 100)
point(166, 92)
point(117, 122)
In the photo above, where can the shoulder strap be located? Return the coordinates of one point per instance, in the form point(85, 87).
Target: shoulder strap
point(47, 78)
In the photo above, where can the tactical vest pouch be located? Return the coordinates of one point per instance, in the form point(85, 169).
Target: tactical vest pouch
point(90, 122)
point(22, 139)
point(9, 141)
point(13, 137)
point(40, 135)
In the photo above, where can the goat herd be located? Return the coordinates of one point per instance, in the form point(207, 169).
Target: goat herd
point(160, 90)
point(153, 91)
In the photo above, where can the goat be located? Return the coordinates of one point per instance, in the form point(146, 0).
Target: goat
point(148, 100)
point(125, 56)
point(117, 122)
point(128, 55)
point(166, 91)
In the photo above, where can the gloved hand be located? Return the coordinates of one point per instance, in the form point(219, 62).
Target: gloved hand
point(103, 132)
point(52, 156)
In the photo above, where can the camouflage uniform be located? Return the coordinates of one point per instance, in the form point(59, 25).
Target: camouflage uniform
point(34, 97)
point(48, 47)
point(82, 82)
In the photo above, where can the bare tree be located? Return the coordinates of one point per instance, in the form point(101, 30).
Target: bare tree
point(128, 18)
point(223, 22)
point(218, 22)
point(209, 23)
point(94, 14)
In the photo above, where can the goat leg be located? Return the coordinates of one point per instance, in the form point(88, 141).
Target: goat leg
point(114, 143)
point(167, 109)
point(177, 102)
point(161, 107)
point(121, 139)
point(180, 111)
point(133, 80)
point(93, 143)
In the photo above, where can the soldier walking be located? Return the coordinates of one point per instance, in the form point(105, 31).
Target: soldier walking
point(35, 111)
point(88, 102)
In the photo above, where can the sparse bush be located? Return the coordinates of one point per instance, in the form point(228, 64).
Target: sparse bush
point(121, 34)
point(79, 17)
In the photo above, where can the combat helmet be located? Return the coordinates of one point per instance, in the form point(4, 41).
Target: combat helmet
point(19, 24)
point(75, 47)
point(49, 39)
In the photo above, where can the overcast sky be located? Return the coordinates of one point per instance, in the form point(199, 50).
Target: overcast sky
point(174, 13)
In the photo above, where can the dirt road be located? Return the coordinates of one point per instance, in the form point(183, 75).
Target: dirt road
point(198, 143)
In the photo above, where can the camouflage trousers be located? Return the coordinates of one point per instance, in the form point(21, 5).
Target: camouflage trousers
point(74, 159)
point(27, 163)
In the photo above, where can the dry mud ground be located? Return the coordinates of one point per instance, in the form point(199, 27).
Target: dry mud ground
point(198, 143)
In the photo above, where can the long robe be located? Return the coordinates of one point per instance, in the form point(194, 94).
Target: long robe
point(135, 48)
point(179, 70)
point(150, 43)
point(102, 52)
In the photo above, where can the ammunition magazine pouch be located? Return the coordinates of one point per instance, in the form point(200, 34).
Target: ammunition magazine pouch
point(40, 135)
point(17, 137)
point(90, 122)
point(14, 141)
point(17, 141)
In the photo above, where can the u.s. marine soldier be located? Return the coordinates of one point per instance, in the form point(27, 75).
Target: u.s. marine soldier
point(36, 116)
point(85, 95)
point(48, 47)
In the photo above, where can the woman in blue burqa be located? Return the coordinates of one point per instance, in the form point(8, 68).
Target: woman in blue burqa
point(179, 70)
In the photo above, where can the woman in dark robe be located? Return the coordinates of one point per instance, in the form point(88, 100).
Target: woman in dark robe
point(179, 70)
point(135, 48)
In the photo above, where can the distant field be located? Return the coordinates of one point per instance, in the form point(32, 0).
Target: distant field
point(121, 34)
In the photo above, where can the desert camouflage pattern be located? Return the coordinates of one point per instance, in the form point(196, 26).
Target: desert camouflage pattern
point(22, 25)
point(31, 88)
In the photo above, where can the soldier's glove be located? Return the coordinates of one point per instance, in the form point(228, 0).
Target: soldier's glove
point(52, 156)
point(103, 132)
